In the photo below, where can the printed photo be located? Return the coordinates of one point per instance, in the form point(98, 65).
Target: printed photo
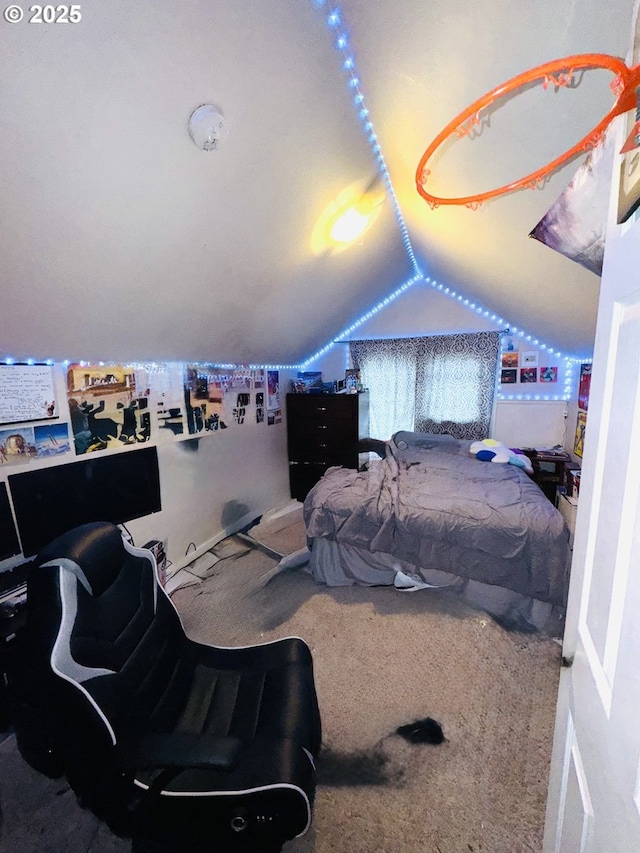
point(509, 377)
point(106, 408)
point(52, 439)
point(17, 445)
point(528, 374)
point(509, 359)
point(548, 374)
point(529, 359)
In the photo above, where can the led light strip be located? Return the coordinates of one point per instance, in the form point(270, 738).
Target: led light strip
point(335, 23)
point(557, 355)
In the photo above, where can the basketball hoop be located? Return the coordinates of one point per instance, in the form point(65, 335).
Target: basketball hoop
point(559, 73)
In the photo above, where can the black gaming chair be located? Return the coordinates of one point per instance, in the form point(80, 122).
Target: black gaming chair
point(175, 744)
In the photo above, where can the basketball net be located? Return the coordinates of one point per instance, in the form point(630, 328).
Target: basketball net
point(559, 73)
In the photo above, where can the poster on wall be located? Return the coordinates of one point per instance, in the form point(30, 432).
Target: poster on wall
point(52, 439)
point(107, 410)
point(509, 376)
point(17, 445)
point(166, 400)
point(581, 425)
point(528, 374)
point(27, 393)
point(509, 360)
point(548, 374)
point(575, 224)
point(584, 387)
point(274, 412)
point(216, 398)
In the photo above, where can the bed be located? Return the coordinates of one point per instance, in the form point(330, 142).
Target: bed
point(432, 514)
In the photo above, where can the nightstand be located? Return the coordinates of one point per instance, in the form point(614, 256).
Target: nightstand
point(548, 469)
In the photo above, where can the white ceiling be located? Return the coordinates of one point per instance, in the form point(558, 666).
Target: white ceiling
point(121, 240)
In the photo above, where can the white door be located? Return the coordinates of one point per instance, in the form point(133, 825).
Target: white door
point(594, 791)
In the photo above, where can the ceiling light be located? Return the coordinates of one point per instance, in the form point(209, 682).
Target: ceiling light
point(349, 225)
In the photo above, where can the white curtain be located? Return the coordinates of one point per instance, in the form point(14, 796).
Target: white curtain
point(437, 384)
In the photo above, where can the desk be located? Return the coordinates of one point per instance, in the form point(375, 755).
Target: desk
point(548, 469)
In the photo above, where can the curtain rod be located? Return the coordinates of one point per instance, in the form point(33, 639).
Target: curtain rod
point(506, 331)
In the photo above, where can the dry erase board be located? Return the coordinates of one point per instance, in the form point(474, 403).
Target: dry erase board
point(27, 393)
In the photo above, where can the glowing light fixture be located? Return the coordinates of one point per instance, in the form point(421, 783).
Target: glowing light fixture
point(346, 218)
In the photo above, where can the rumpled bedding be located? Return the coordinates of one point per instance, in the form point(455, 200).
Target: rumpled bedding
point(440, 508)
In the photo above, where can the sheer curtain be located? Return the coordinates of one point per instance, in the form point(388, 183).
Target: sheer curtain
point(439, 384)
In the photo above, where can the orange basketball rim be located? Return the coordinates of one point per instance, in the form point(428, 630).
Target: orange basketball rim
point(559, 73)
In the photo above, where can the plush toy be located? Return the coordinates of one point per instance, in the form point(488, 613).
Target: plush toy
point(490, 450)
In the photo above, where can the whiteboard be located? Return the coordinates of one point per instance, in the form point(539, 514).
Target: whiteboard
point(27, 393)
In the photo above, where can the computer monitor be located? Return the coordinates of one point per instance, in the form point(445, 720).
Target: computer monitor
point(9, 545)
point(50, 501)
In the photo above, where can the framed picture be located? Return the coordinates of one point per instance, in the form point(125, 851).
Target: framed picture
point(351, 380)
point(529, 359)
point(509, 376)
point(629, 187)
point(548, 374)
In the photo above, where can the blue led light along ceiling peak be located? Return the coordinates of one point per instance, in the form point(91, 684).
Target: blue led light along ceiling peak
point(342, 43)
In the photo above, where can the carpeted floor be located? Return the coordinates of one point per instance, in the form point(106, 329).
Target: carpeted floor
point(383, 658)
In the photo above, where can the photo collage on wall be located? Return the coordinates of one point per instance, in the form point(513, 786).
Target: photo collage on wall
point(522, 367)
point(115, 406)
point(216, 397)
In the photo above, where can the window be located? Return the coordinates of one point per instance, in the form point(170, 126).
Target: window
point(438, 384)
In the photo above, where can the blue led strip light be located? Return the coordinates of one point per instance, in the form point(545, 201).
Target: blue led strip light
point(335, 22)
point(535, 342)
point(383, 304)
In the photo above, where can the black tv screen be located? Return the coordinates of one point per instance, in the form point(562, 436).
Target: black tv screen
point(116, 488)
point(9, 545)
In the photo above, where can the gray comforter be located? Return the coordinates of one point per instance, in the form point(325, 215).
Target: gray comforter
point(441, 508)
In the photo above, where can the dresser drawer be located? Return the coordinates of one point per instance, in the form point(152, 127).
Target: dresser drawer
point(322, 407)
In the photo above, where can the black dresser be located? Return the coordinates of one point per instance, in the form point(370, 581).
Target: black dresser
point(323, 430)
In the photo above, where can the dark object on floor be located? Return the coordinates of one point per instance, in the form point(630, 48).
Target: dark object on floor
point(354, 769)
point(175, 744)
point(422, 731)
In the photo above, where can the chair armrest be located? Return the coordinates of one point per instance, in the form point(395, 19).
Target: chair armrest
point(181, 750)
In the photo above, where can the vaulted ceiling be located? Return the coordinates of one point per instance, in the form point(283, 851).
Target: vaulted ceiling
point(121, 239)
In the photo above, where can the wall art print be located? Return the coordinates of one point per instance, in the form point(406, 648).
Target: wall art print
point(548, 374)
point(575, 224)
point(106, 407)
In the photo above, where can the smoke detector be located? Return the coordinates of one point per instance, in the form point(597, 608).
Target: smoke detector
point(207, 127)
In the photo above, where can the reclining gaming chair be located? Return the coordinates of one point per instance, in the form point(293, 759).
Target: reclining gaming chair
point(171, 742)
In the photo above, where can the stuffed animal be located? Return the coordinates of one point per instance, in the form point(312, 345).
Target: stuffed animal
point(490, 450)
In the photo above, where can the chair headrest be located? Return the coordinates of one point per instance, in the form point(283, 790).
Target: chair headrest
point(94, 551)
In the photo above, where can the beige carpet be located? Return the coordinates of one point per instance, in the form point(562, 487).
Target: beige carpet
point(383, 658)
